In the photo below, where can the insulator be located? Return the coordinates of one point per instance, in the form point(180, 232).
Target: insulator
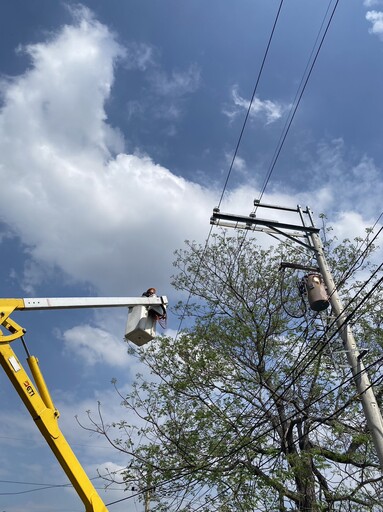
point(316, 292)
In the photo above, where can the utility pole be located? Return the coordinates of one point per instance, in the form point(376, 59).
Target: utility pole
point(147, 500)
point(311, 234)
point(363, 384)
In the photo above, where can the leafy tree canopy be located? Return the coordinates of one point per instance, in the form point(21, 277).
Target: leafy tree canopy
point(252, 406)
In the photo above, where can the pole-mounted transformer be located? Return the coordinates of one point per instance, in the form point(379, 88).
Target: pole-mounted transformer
point(318, 298)
point(316, 292)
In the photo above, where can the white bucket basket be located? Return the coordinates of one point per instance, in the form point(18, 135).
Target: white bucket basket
point(140, 327)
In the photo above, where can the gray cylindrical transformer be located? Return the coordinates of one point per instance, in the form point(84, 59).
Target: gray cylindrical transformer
point(316, 292)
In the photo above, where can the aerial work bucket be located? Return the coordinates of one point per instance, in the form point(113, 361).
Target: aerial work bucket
point(141, 326)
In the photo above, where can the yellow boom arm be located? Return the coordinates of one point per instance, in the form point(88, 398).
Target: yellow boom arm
point(36, 396)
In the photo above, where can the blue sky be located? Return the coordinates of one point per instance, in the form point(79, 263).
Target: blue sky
point(118, 123)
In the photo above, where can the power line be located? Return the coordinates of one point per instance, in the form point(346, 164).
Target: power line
point(344, 277)
point(299, 94)
point(301, 88)
point(362, 255)
point(298, 369)
point(44, 486)
point(272, 429)
point(233, 159)
point(294, 108)
point(251, 102)
point(251, 441)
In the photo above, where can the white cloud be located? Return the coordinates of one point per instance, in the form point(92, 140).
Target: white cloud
point(349, 224)
point(331, 170)
point(376, 18)
point(239, 164)
point(178, 83)
point(95, 345)
point(269, 111)
point(111, 220)
point(82, 205)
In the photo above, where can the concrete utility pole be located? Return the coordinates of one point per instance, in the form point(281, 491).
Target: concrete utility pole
point(314, 243)
point(147, 500)
point(363, 384)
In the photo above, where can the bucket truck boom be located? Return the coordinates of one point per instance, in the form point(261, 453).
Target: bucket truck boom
point(143, 313)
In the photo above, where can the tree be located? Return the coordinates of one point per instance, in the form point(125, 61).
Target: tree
point(252, 407)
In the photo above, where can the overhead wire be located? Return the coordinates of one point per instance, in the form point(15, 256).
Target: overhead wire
point(339, 327)
point(283, 137)
point(232, 162)
point(205, 466)
point(295, 105)
point(344, 277)
point(348, 305)
point(292, 116)
point(349, 316)
point(284, 133)
point(251, 102)
point(239, 141)
point(361, 256)
point(323, 341)
point(292, 416)
point(327, 341)
point(44, 485)
point(337, 411)
point(297, 100)
point(288, 125)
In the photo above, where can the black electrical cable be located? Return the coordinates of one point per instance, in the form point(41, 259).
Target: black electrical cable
point(232, 162)
point(244, 125)
point(282, 137)
point(322, 345)
point(334, 321)
point(302, 89)
point(237, 449)
point(43, 486)
point(251, 102)
point(294, 109)
point(361, 255)
point(319, 342)
point(291, 119)
point(335, 413)
point(252, 440)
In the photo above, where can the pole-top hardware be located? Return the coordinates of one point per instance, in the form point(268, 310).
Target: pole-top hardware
point(362, 353)
point(297, 266)
point(323, 292)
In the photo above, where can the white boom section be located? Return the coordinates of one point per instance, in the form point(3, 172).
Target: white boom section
point(92, 302)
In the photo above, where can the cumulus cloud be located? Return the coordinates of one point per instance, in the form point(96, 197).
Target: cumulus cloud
point(81, 204)
point(267, 110)
point(95, 345)
point(76, 200)
point(376, 19)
